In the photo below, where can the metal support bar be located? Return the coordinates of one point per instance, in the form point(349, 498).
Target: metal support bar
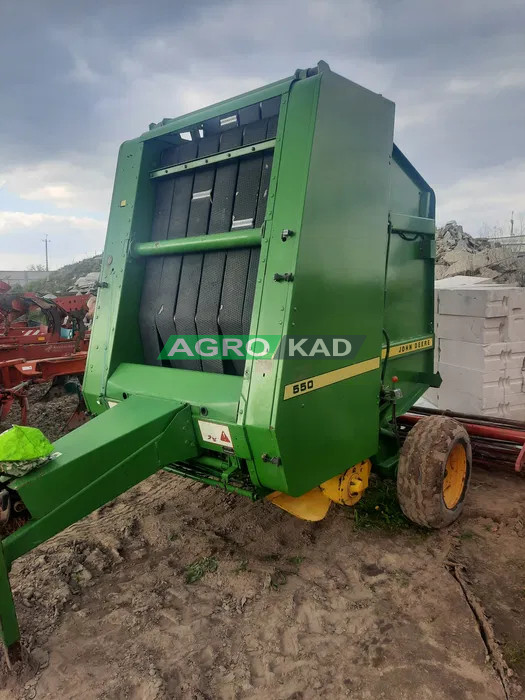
point(212, 160)
point(412, 224)
point(249, 238)
point(209, 481)
point(9, 630)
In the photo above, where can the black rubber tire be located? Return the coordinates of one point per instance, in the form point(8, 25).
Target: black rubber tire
point(421, 471)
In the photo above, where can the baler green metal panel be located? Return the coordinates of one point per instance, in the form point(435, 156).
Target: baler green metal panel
point(330, 186)
point(115, 336)
point(409, 288)
point(337, 257)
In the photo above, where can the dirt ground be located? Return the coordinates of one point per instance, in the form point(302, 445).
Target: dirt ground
point(176, 590)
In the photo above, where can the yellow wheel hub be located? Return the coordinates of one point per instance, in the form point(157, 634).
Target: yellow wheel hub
point(455, 476)
point(347, 488)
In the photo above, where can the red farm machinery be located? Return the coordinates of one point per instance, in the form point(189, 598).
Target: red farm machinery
point(41, 340)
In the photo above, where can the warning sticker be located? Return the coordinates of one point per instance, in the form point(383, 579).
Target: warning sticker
point(216, 433)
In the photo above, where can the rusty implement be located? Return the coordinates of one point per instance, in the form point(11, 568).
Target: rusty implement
point(54, 350)
point(496, 443)
point(17, 375)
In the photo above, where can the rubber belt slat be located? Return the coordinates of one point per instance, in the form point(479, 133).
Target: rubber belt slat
point(190, 277)
point(169, 283)
point(153, 271)
point(270, 108)
point(237, 261)
point(207, 317)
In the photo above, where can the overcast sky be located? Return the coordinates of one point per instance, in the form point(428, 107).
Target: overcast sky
point(79, 77)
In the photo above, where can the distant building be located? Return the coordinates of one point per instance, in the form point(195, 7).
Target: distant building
point(22, 277)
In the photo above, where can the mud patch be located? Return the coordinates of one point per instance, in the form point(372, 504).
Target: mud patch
point(280, 608)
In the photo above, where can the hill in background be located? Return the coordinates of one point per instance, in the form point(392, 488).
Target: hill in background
point(62, 280)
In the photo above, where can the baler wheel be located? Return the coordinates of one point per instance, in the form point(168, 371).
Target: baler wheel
point(434, 471)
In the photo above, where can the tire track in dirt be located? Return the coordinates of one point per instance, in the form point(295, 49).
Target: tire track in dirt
point(294, 609)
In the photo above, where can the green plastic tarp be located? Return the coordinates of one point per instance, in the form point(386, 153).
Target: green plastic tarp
point(22, 449)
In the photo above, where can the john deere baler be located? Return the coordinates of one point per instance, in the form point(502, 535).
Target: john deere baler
point(265, 312)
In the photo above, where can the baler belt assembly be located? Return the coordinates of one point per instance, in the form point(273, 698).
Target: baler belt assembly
point(224, 193)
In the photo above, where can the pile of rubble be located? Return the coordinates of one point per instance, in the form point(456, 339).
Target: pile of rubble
point(86, 284)
point(452, 237)
point(458, 253)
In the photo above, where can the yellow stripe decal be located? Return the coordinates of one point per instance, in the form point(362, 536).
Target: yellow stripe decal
point(322, 380)
point(409, 346)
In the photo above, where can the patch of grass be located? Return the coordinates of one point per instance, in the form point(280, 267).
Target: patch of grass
point(194, 572)
point(296, 561)
point(467, 535)
point(243, 566)
point(402, 577)
point(514, 653)
point(379, 509)
point(278, 579)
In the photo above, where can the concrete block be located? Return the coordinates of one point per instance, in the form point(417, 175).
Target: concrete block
point(480, 350)
point(505, 410)
point(472, 329)
point(481, 300)
point(430, 397)
point(514, 390)
point(515, 355)
point(516, 323)
point(469, 390)
point(461, 281)
point(478, 356)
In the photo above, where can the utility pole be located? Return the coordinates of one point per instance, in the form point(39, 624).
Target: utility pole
point(46, 241)
point(511, 223)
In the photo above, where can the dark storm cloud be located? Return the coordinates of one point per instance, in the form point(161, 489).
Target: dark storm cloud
point(76, 78)
point(46, 106)
point(467, 62)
